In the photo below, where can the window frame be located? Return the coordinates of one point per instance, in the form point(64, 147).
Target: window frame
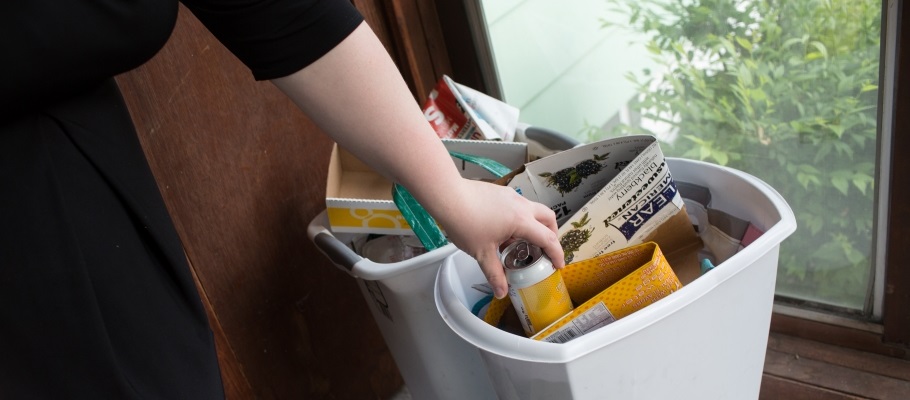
point(896, 308)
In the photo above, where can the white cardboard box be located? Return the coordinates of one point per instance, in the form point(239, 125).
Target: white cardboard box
point(612, 155)
point(611, 194)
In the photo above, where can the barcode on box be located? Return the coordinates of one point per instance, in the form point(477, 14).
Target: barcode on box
point(596, 317)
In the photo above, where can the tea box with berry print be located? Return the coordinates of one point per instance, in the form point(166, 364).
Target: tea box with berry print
point(609, 195)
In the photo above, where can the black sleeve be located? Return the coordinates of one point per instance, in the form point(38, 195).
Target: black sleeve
point(276, 38)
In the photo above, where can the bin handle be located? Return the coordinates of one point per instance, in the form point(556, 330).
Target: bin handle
point(550, 138)
point(336, 251)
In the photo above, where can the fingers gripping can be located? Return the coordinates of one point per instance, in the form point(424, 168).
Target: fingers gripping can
point(536, 288)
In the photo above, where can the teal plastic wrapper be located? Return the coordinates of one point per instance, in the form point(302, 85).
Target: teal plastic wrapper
point(423, 225)
point(492, 166)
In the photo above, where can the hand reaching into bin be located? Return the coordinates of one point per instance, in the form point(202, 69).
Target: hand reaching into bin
point(357, 95)
point(489, 215)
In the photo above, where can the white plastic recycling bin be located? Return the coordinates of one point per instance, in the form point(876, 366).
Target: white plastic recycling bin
point(705, 341)
point(434, 362)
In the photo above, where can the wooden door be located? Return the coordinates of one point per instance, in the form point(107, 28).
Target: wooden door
point(242, 172)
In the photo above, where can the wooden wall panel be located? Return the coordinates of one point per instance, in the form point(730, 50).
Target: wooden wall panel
point(411, 32)
point(417, 28)
point(242, 172)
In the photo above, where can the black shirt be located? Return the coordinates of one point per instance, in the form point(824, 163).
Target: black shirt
point(96, 300)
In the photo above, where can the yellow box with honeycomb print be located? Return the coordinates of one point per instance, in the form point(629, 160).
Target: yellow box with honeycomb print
point(607, 287)
point(359, 200)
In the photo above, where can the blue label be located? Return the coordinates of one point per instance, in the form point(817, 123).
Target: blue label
point(644, 213)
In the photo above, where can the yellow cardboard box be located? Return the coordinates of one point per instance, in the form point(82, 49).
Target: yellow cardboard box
point(607, 287)
point(359, 200)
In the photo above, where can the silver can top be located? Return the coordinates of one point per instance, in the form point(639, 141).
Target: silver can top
point(520, 254)
point(525, 264)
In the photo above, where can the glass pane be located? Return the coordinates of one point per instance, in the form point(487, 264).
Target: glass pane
point(786, 90)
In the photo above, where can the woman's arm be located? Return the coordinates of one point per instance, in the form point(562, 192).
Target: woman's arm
point(357, 95)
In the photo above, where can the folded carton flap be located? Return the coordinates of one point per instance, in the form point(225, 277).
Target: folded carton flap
point(583, 284)
point(680, 244)
point(507, 180)
point(510, 154)
point(685, 265)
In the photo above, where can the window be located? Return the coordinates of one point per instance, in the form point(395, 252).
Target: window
point(799, 93)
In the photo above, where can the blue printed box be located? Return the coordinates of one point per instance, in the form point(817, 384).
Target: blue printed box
point(608, 195)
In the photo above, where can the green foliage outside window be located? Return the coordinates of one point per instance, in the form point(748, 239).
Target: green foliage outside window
point(786, 90)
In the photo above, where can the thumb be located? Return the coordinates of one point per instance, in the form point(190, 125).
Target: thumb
point(492, 269)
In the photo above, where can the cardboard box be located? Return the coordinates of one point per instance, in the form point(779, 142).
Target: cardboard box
point(610, 287)
point(456, 111)
point(540, 180)
point(612, 194)
point(359, 200)
point(604, 289)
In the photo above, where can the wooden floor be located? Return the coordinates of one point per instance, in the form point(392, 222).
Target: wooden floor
point(800, 369)
point(806, 370)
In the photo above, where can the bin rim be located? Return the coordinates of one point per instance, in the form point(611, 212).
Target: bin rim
point(477, 332)
point(357, 266)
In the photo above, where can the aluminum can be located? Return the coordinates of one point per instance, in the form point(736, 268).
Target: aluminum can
point(536, 288)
